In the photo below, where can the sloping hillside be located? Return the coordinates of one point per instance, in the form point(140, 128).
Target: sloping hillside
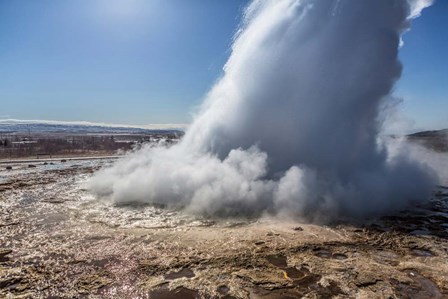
point(435, 140)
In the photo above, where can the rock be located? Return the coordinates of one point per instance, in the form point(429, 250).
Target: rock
point(8, 167)
point(63, 160)
point(31, 166)
point(298, 229)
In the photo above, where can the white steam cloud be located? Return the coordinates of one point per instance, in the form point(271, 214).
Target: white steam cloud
point(292, 126)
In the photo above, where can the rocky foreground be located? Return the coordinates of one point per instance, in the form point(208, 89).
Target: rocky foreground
point(57, 241)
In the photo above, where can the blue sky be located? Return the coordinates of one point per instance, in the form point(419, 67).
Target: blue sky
point(152, 61)
point(424, 82)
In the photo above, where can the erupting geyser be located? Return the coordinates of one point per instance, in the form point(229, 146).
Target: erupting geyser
point(292, 126)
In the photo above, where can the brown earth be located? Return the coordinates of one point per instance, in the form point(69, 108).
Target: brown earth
point(57, 241)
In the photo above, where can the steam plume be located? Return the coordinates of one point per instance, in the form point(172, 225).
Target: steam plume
point(292, 126)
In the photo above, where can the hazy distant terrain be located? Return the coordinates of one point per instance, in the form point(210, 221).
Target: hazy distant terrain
point(435, 140)
point(43, 140)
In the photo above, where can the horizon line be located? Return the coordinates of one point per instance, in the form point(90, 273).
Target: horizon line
point(90, 123)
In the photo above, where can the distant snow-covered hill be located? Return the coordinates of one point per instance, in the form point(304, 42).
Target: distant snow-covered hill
point(35, 126)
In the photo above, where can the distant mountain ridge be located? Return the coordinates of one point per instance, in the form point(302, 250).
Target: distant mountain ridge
point(18, 126)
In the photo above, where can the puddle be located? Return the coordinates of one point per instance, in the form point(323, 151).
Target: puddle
point(420, 232)
point(339, 256)
point(274, 294)
point(179, 293)
point(422, 253)
point(303, 280)
point(102, 263)
point(277, 260)
point(421, 288)
point(185, 272)
point(323, 254)
point(326, 254)
point(4, 255)
point(308, 280)
point(332, 290)
point(223, 290)
point(294, 273)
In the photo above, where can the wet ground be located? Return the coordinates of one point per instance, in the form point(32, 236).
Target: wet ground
point(57, 241)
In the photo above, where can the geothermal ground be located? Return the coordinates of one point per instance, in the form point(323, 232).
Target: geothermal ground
point(57, 241)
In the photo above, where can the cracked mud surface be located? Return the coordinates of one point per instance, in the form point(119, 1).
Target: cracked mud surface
point(57, 241)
